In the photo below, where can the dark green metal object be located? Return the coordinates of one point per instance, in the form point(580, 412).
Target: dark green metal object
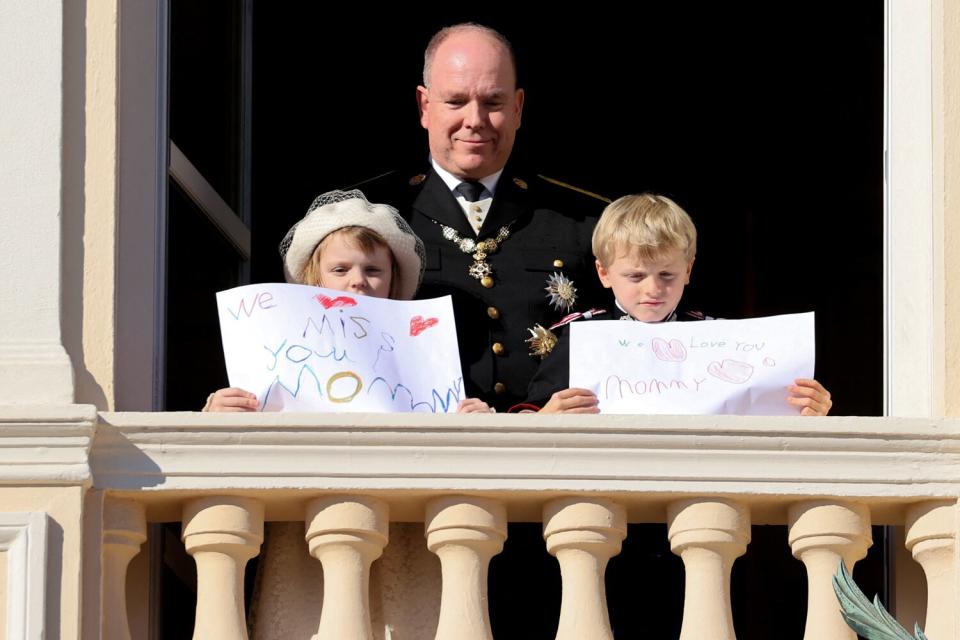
point(869, 620)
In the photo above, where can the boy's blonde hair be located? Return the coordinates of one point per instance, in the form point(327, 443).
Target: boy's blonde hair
point(367, 240)
point(646, 225)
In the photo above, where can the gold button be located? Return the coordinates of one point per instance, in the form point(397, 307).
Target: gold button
point(486, 281)
point(558, 263)
point(493, 312)
point(500, 388)
point(497, 348)
point(477, 208)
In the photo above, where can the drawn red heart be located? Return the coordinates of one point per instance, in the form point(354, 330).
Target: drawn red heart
point(672, 351)
point(731, 371)
point(339, 301)
point(418, 324)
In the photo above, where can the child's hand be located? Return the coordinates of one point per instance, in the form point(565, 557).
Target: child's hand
point(231, 399)
point(572, 400)
point(474, 405)
point(810, 395)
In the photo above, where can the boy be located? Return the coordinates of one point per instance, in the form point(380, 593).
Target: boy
point(645, 246)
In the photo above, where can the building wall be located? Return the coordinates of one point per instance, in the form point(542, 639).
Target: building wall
point(947, 187)
point(62, 506)
point(60, 205)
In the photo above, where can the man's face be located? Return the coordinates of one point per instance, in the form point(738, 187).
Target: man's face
point(649, 290)
point(471, 110)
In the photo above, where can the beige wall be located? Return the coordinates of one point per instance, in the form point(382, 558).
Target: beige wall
point(63, 506)
point(3, 595)
point(90, 197)
point(947, 158)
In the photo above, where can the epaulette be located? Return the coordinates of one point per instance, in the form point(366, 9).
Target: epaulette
point(571, 187)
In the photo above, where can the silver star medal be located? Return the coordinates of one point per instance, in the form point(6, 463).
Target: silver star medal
point(560, 292)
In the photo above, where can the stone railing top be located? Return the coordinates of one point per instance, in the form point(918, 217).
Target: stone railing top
point(524, 460)
point(763, 459)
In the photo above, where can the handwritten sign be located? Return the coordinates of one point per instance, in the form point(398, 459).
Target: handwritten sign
point(738, 367)
point(301, 348)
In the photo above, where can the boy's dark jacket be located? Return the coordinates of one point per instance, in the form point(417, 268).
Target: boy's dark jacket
point(554, 372)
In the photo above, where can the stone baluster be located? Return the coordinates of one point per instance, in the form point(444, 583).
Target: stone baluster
point(346, 534)
point(584, 534)
point(221, 533)
point(465, 533)
point(708, 534)
point(124, 530)
point(823, 532)
point(931, 536)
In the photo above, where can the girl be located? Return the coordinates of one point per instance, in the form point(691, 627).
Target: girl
point(348, 244)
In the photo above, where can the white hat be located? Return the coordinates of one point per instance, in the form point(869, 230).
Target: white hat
point(338, 209)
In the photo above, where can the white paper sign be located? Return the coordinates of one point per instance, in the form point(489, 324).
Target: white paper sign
point(740, 367)
point(301, 348)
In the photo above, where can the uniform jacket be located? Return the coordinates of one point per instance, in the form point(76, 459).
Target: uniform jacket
point(550, 232)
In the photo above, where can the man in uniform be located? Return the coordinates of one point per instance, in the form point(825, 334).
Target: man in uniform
point(512, 249)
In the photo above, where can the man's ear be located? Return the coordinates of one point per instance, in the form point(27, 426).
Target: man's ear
point(519, 102)
point(423, 101)
point(689, 269)
point(604, 276)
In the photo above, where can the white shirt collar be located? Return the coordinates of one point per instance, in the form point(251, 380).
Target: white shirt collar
point(452, 181)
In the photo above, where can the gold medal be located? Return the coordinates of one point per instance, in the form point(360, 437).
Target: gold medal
point(541, 341)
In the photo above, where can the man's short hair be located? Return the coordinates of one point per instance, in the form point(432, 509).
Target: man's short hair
point(646, 225)
point(440, 36)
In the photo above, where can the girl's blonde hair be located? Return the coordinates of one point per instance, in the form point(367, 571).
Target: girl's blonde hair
point(362, 238)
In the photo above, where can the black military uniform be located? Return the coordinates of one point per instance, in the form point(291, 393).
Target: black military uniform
point(554, 372)
point(550, 227)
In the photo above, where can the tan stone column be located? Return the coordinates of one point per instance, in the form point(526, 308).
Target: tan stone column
point(822, 532)
point(221, 533)
point(932, 537)
point(709, 534)
point(124, 530)
point(584, 534)
point(346, 534)
point(465, 533)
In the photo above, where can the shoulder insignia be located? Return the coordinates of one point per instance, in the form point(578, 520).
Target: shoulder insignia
point(520, 183)
point(565, 185)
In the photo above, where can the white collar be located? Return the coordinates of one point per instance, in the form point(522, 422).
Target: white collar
point(452, 181)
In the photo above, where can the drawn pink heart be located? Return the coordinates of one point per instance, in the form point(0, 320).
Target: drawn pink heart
point(672, 351)
point(339, 301)
point(418, 324)
point(731, 371)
